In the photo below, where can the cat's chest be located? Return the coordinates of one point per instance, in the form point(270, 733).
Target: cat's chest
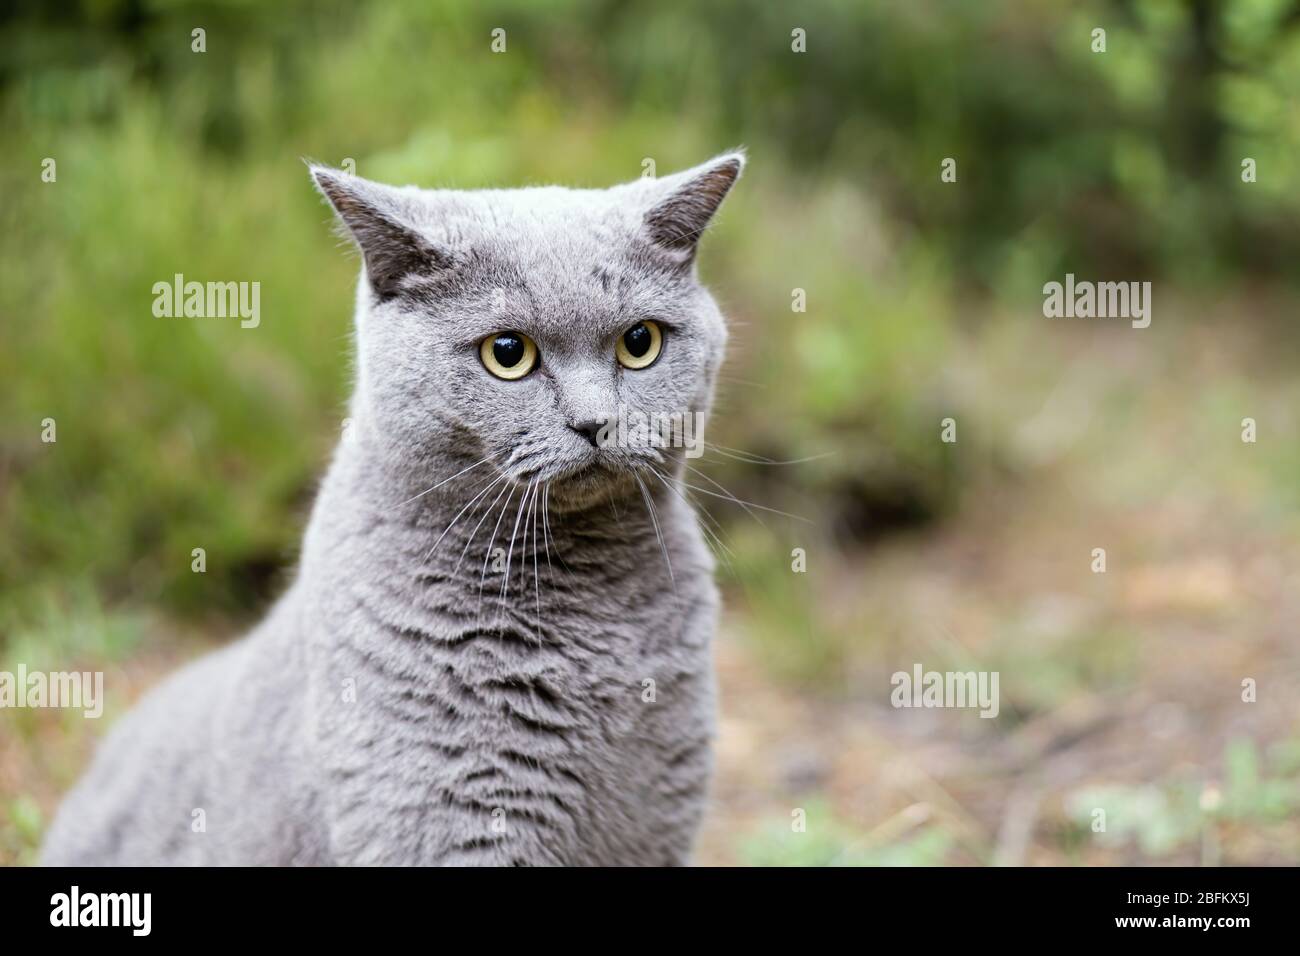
point(547, 644)
point(525, 695)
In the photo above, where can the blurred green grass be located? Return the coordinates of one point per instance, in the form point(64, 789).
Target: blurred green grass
point(923, 302)
point(174, 434)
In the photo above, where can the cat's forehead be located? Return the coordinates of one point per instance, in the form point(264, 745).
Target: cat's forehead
point(568, 254)
point(545, 216)
point(580, 249)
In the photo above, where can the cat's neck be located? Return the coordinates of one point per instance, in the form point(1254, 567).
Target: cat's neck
point(383, 512)
point(438, 552)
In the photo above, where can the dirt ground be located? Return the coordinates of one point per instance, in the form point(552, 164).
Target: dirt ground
point(1120, 691)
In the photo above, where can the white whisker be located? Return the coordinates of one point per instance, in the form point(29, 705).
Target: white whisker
point(510, 551)
point(445, 480)
point(473, 534)
point(481, 492)
point(546, 529)
point(746, 504)
point(650, 509)
point(488, 556)
point(750, 458)
point(537, 578)
point(715, 484)
point(724, 552)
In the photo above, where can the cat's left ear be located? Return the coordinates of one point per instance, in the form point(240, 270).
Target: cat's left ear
point(685, 203)
point(378, 219)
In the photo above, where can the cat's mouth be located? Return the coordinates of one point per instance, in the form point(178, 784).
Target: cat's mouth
point(587, 476)
point(605, 467)
point(585, 473)
point(583, 482)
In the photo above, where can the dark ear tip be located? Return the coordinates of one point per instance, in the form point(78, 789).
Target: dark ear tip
point(323, 176)
point(735, 161)
point(332, 184)
point(678, 219)
point(721, 175)
point(730, 165)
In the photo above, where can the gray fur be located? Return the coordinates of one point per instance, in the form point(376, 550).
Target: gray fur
point(495, 721)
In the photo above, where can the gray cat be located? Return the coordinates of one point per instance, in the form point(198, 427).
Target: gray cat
point(496, 650)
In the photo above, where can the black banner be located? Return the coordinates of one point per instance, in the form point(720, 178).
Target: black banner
point(219, 905)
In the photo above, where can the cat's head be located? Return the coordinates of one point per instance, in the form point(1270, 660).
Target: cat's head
point(518, 322)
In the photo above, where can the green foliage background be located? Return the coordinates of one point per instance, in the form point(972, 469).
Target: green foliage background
point(173, 432)
point(924, 301)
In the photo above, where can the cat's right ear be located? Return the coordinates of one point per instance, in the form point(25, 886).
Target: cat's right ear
point(372, 215)
point(687, 201)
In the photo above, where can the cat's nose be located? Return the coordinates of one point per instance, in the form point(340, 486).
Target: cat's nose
point(588, 430)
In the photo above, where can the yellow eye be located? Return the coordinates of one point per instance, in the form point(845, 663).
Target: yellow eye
point(640, 345)
point(508, 355)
